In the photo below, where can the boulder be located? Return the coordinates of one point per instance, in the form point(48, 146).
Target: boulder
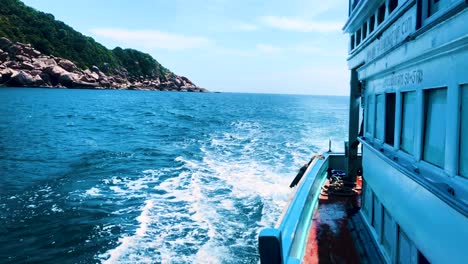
point(104, 83)
point(35, 53)
point(12, 64)
point(38, 81)
point(41, 62)
point(87, 78)
point(68, 79)
point(67, 65)
point(95, 69)
point(94, 75)
point(102, 75)
point(4, 56)
point(119, 80)
point(29, 51)
point(21, 79)
point(105, 67)
point(22, 58)
point(26, 66)
point(177, 82)
point(54, 71)
point(86, 84)
point(16, 48)
point(46, 78)
point(5, 43)
point(6, 75)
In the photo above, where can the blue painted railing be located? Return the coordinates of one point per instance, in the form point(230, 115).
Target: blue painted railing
point(286, 242)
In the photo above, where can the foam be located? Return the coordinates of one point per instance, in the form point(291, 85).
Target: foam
point(144, 218)
point(196, 210)
point(115, 255)
point(56, 209)
point(93, 192)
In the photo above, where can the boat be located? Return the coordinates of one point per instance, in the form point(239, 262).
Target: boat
point(406, 155)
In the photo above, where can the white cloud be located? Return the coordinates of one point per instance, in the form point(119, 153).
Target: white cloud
point(295, 24)
point(267, 48)
point(233, 52)
point(242, 26)
point(151, 38)
point(304, 48)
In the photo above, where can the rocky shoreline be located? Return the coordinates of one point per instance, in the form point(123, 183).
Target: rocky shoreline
point(23, 66)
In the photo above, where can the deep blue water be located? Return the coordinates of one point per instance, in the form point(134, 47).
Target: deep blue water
point(91, 176)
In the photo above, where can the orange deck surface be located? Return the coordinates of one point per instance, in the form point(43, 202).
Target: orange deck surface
point(329, 239)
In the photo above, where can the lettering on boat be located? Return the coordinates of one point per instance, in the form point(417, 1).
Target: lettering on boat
point(396, 34)
point(404, 79)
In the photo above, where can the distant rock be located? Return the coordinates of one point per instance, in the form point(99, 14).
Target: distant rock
point(67, 65)
point(54, 71)
point(5, 43)
point(22, 65)
point(21, 78)
point(95, 69)
point(4, 56)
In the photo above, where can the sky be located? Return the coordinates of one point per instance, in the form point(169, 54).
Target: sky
point(268, 46)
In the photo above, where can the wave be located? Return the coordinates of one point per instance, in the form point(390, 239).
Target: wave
point(209, 208)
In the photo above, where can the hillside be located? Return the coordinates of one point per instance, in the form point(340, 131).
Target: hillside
point(23, 26)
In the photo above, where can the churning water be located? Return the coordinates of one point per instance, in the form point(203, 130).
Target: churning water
point(93, 176)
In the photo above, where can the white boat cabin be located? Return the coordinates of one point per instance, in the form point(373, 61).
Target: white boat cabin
point(409, 74)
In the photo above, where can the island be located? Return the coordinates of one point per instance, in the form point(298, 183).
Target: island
point(38, 51)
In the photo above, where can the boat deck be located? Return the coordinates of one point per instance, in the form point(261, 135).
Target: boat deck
point(330, 239)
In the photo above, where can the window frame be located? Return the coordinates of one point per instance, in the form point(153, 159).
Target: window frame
point(358, 37)
point(424, 15)
point(415, 136)
point(364, 30)
point(379, 140)
point(391, 235)
point(425, 93)
point(370, 128)
point(462, 88)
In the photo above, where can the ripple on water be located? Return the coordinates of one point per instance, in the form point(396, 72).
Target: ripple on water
point(140, 177)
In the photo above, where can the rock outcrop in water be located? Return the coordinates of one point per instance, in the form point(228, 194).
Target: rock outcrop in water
point(23, 66)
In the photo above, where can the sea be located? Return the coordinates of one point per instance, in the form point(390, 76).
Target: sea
point(110, 176)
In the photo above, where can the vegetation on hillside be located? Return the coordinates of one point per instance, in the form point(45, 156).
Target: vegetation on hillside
point(21, 23)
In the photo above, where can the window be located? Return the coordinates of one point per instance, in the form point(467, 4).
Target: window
point(404, 248)
point(381, 14)
point(380, 118)
point(358, 37)
point(377, 217)
point(388, 233)
point(390, 101)
point(364, 31)
point(463, 171)
point(428, 10)
point(434, 6)
point(371, 23)
point(367, 200)
point(352, 42)
point(434, 128)
point(370, 115)
point(407, 122)
point(392, 5)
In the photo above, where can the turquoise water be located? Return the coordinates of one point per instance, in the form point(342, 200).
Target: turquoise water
point(93, 176)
